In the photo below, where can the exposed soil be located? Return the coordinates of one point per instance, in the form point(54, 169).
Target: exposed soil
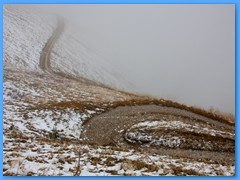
point(110, 128)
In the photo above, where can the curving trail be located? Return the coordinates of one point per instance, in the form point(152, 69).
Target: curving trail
point(121, 127)
point(44, 63)
point(45, 56)
point(176, 130)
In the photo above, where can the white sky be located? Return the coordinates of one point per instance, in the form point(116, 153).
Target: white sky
point(182, 52)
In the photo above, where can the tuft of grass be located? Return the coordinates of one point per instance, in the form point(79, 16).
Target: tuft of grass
point(138, 165)
point(16, 134)
point(112, 172)
point(95, 160)
point(78, 169)
point(180, 171)
point(9, 174)
point(110, 161)
point(30, 158)
point(30, 173)
point(114, 148)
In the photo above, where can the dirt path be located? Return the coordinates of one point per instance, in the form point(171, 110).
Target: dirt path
point(45, 56)
point(110, 129)
point(44, 63)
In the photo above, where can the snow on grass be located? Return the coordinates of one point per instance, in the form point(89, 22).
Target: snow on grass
point(173, 133)
point(51, 158)
point(26, 96)
point(174, 124)
point(24, 99)
point(136, 137)
point(84, 62)
point(26, 31)
point(64, 123)
point(44, 140)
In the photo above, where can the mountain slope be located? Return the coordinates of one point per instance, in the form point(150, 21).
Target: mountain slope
point(23, 38)
point(60, 120)
point(83, 62)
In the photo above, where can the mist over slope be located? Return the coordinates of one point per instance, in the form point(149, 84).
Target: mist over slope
point(71, 56)
point(181, 52)
point(23, 35)
point(41, 105)
point(69, 79)
point(60, 120)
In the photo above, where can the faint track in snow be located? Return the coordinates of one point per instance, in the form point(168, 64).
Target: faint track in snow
point(44, 63)
point(110, 128)
point(45, 56)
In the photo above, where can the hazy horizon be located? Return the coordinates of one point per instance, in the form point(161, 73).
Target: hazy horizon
point(181, 52)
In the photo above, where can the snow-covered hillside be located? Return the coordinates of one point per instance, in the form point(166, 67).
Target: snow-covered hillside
point(55, 106)
point(39, 104)
point(26, 31)
point(72, 57)
point(69, 159)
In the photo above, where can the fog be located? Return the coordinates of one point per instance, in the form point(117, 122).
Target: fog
point(181, 52)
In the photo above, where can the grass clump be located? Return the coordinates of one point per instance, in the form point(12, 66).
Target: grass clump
point(112, 172)
point(95, 160)
point(138, 165)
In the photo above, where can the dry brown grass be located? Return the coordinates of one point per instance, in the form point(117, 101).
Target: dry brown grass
point(110, 161)
point(9, 173)
point(138, 165)
point(112, 172)
point(135, 99)
point(57, 142)
point(76, 105)
point(18, 135)
point(119, 149)
point(228, 116)
point(216, 115)
point(181, 153)
point(77, 165)
point(95, 160)
point(179, 171)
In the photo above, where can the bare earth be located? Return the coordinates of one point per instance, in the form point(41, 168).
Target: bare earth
point(109, 129)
